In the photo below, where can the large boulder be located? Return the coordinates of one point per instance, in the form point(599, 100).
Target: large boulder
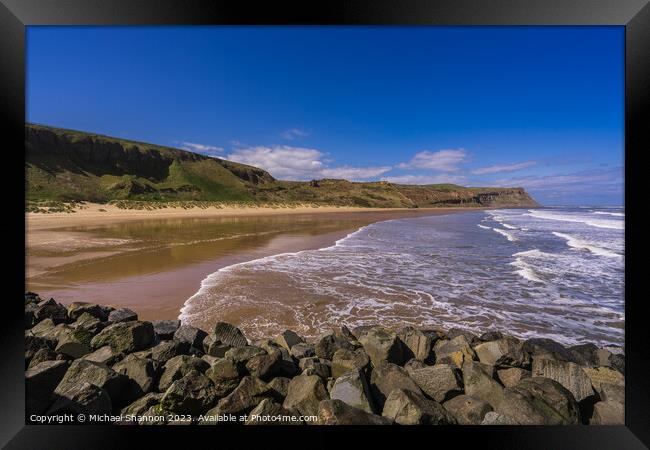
point(315, 366)
point(479, 382)
point(190, 335)
point(268, 412)
point(539, 401)
point(179, 366)
point(329, 343)
point(303, 350)
point(455, 351)
point(165, 329)
point(164, 351)
point(418, 345)
point(105, 355)
point(229, 335)
point(83, 371)
point(141, 373)
point(353, 389)
point(408, 408)
point(503, 353)
point(82, 398)
point(125, 337)
point(568, 374)
point(89, 323)
point(387, 377)
point(609, 383)
point(34, 344)
point(349, 360)
point(550, 349)
point(305, 393)
point(142, 405)
point(337, 412)
point(76, 309)
point(288, 339)
point(494, 418)
point(122, 315)
point(51, 310)
point(40, 382)
point(468, 335)
point(241, 355)
point(193, 394)
point(224, 375)
point(44, 354)
point(608, 413)
point(513, 375)
point(214, 347)
point(264, 366)
point(248, 394)
point(74, 343)
point(383, 345)
point(467, 410)
point(440, 382)
point(592, 355)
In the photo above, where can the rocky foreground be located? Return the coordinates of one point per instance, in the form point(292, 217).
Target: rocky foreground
point(107, 366)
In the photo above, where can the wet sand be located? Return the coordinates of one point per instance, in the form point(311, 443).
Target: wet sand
point(152, 261)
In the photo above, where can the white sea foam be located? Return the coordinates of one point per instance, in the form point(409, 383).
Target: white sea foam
point(612, 224)
point(580, 244)
point(525, 270)
point(610, 213)
point(507, 225)
point(508, 235)
point(484, 227)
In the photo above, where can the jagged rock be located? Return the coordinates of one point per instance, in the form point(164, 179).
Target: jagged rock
point(122, 315)
point(241, 355)
point(229, 335)
point(346, 360)
point(40, 382)
point(470, 337)
point(609, 383)
point(141, 374)
point(510, 377)
point(51, 310)
point(302, 350)
point(125, 337)
point(76, 309)
point(467, 410)
point(154, 416)
point(142, 405)
point(47, 331)
point(165, 329)
point(491, 336)
point(89, 323)
point(210, 359)
point(549, 349)
point(74, 343)
point(362, 330)
point(179, 366)
point(479, 382)
point(315, 366)
point(100, 375)
point(408, 408)
point(455, 351)
point(82, 398)
point(248, 394)
point(264, 366)
point(568, 374)
point(539, 401)
point(304, 393)
point(192, 394)
point(224, 375)
point(105, 355)
point(42, 355)
point(268, 412)
point(592, 355)
point(387, 377)
point(164, 351)
point(383, 345)
point(417, 344)
point(503, 353)
point(280, 386)
point(288, 339)
point(190, 335)
point(413, 364)
point(337, 412)
point(353, 389)
point(286, 365)
point(494, 418)
point(440, 382)
point(608, 413)
point(328, 344)
point(214, 347)
point(617, 362)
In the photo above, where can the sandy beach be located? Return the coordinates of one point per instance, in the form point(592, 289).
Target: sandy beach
point(153, 260)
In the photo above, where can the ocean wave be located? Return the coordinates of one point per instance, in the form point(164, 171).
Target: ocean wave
point(505, 233)
point(525, 270)
point(612, 224)
point(580, 244)
point(609, 213)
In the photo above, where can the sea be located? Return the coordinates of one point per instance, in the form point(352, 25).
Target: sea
point(555, 272)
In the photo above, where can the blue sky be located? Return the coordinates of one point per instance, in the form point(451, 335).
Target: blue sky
point(538, 107)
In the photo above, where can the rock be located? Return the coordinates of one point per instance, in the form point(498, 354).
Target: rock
point(89, 323)
point(74, 343)
point(142, 405)
point(40, 382)
point(280, 386)
point(617, 362)
point(470, 337)
point(328, 344)
point(609, 383)
point(264, 366)
point(592, 355)
point(455, 351)
point(51, 310)
point(214, 347)
point(337, 412)
point(413, 364)
point(82, 398)
point(315, 366)
point(224, 375)
point(382, 345)
point(125, 337)
point(33, 344)
point(165, 351)
point(268, 412)
point(248, 394)
point(229, 335)
point(491, 336)
point(193, 394)
point(346, 360)
point(479, 382)
point(288, 339)
point(210, 359)
point(42, 355)
point(304, 394)
point(387, 377)
point(608, 413)
point(549, 349)
point(467, 410)
point(302, 350)
point(440, 382)
point(494, 418)
point(417, 344)
point(76, 309)
point(539, 401)
point(568, 374)
point(179, 366)
point(408, 408)
point(353, 389)
point(503, 353)
point(122, 315)
point(81, 371)
point(190, 335)
point(165, 329)
point(510, 377)
point(286, 366)
point(105, 355)
point(141, 374)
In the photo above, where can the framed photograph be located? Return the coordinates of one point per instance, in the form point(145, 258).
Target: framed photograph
point(416, 216)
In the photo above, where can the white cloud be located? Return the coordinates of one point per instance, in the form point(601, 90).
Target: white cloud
point(354, 173)
point(444, 160)
point(294, 133)
point(504, 168)
point(204, 149)
point(593, 181)
point(426, 179)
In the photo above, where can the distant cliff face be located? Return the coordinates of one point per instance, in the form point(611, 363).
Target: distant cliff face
point(72, 165)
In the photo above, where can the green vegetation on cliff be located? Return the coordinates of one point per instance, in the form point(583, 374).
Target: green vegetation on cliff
point(67, 165)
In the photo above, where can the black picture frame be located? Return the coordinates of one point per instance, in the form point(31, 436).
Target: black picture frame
point(634, 15)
